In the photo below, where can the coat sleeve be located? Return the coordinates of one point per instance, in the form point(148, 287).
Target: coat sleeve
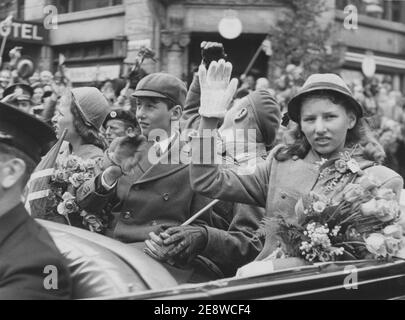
point(92, 197)
point(241, 184)
point(232, 248)
point(190, 118)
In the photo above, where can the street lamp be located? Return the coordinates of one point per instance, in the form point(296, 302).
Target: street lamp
point(230, 26)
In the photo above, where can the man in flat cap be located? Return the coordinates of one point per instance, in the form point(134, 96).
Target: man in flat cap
point(231, 241)
point(157, 193)
point(19, 95)
point(27, 251)
point(120, 123)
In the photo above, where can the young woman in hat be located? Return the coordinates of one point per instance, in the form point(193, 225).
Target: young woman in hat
point(328, 123)
point(82, 112)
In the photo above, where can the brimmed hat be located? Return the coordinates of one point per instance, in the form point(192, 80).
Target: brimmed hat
point(162, 85)
point(92, 105)
point(322, 81)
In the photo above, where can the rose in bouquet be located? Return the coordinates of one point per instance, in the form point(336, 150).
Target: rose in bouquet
point(365, 223)
point(69, 175)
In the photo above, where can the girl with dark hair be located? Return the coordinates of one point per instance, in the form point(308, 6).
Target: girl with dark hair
point(329, 129)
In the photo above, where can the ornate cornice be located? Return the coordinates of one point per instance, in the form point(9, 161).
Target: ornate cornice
point(173, 38)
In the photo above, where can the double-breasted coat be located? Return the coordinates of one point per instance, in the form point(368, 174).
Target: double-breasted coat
point(26, 249)
point(153, 197)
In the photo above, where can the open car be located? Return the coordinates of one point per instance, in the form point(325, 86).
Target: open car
point(103, 268)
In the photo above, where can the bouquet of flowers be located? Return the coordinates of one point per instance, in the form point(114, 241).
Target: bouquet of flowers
point(68, 176)
point(365, 223)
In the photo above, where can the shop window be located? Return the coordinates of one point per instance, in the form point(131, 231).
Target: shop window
point(88, 51)
point(65, 6)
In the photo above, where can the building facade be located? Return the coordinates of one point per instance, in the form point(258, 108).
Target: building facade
point(100, 38)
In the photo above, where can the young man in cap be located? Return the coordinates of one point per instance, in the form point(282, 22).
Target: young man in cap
point(26, 248)
point(229, 244)
point(19, 95)
point(120, 123)
point(156, 193)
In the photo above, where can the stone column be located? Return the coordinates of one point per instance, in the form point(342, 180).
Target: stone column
point(138, 30)
point(174, 44)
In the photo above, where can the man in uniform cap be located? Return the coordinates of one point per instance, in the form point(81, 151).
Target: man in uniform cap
point(120, 123)
point(19, 95)
point(26, 248)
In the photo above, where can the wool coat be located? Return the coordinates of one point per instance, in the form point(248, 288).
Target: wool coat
point(155, 196)
point(26, 249)
point(275, 185)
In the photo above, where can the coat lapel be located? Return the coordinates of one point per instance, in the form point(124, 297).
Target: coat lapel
point(169, 163)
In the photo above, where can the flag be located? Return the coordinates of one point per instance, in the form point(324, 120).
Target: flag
point(266, 46)
point(38, 185)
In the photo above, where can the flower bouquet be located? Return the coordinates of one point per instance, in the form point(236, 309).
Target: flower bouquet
point(68, 176)
point(365, 223)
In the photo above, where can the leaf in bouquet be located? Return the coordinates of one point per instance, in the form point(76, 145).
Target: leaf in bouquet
point(276, 229)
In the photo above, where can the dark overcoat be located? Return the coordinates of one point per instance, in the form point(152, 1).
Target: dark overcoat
point(26, 249)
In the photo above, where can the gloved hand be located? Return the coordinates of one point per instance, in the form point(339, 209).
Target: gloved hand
point(212, 51)
point(122, 156)
point(184, 243)
point(216, 90)
point(155, 248)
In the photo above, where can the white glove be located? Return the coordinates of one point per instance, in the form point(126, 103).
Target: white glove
point(216, 90)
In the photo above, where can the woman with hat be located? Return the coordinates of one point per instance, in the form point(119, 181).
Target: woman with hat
point(82, 112)
point(328, 122)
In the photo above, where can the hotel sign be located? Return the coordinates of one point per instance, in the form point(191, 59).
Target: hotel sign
point(31, 32)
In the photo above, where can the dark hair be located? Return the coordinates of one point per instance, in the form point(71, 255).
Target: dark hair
point(298, 145)
point(170, 104)
point(89, 134)
point(8, 152)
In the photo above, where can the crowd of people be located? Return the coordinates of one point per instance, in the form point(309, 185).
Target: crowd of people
point(137, 159)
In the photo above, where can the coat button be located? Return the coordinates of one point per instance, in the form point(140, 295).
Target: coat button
point(166, 196)
point(283, 196)
point(126, 215)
